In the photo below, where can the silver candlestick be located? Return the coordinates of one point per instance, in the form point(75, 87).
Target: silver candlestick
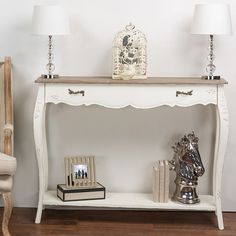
point(211, 57)
point(50, 66)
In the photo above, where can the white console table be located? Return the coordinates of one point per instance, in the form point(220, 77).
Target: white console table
point(141, 94)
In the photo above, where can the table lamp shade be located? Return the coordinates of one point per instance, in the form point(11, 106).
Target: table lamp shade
point(50, 20)
point(211, 19)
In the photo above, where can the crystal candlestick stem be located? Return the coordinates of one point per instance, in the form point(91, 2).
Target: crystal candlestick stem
point(50, 66)
point(211, 57)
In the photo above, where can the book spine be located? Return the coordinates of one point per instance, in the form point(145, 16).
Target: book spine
point(162, 178)
point(167, 181)
point(156, 179)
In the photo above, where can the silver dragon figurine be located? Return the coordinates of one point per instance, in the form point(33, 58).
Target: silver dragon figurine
point(188, 167)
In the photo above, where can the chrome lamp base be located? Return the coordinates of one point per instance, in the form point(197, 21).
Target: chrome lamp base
point(47, 76)
point(211, 77)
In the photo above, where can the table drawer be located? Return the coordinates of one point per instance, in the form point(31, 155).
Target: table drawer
point(201, 94)
point(140, 96)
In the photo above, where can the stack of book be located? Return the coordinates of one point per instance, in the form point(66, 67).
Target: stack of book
point(81, 193)
point(161, 181)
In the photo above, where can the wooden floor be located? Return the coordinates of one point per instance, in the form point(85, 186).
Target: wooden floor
point(122, 223)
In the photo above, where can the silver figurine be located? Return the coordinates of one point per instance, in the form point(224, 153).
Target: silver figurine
point(188, 167)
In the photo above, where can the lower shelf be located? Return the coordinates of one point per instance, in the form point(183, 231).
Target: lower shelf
point(132, 201)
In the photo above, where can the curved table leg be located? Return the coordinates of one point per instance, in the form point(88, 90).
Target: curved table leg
point(215, 153)
point(8, 205)
point(223, 126)
point(41, 148)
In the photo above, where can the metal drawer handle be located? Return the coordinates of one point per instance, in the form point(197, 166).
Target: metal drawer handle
point(76, 92)
point(190, 93)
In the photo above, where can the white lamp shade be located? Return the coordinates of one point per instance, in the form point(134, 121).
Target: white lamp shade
point(211, 19)
point(50, 20)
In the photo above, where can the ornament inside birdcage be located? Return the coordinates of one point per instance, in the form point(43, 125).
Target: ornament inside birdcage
point(130, 54)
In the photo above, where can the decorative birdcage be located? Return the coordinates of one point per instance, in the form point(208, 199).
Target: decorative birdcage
point(130, 54)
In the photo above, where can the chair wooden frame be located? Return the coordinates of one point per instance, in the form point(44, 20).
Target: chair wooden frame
point(7, 138)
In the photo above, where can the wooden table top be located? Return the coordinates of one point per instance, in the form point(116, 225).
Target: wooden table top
point(109, 80)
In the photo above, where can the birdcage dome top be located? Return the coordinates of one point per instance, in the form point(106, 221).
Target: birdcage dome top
point(130, 36)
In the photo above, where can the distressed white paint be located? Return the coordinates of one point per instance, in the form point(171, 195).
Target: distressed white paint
point(131, 200)
point(41, 146)
point(141, 97)
point(137, 96)
point(126, 136)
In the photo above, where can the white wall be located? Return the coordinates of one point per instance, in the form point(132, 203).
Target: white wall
point(127, 138)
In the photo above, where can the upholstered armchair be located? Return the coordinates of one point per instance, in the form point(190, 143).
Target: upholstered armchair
point(7, 162)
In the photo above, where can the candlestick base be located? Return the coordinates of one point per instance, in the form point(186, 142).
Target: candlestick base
point(212, 77)
point(47, 76)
